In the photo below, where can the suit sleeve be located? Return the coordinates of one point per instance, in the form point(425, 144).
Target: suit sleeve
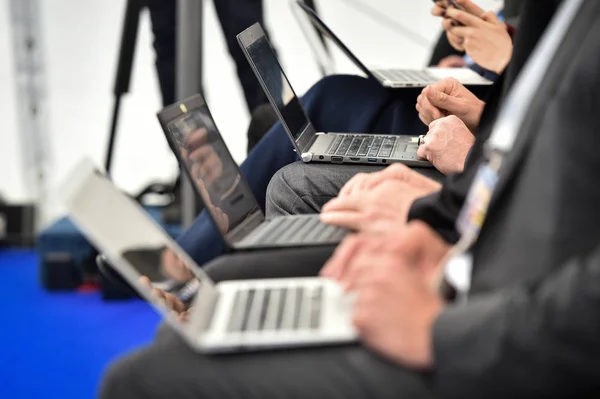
point(530, 341)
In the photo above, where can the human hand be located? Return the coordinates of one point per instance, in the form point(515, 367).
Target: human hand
point(452, 61)
point(483, 37)
point(397, 171)
point(205, 163)
point(221, 219)
point(447, 144)
point(395, 311)
point(170, 301)
point(440, 9)
point(174, 267)
point(416, 242)
point(383, 209)
point(449, 97)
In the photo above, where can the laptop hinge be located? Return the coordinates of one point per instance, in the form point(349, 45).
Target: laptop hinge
point(306, 139)
point(246, 227)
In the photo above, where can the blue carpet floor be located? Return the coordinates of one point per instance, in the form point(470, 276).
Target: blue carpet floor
point(56, 345)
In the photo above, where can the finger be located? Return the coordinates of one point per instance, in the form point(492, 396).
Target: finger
point(447, 24)
point(423, 119)
point(464, 18)
point(158, 294)
point(145, 282)
point(422, 151)
point(360, 270)
point(173, 302)
point(351, 220)
point(438, 11)
point(195, 139)
point(211, 169)
point(184, 316)
point(456, 41)
point(334, 267)
point(349, 203)
point(202, 153)
point(441, 100)
point(462, 32)
point(352, 185)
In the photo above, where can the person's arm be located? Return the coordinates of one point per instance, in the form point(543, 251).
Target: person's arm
point(533, 340)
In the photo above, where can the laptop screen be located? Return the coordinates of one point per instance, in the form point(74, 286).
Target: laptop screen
point(215, 175)
point(277, 85)
point(133, 242)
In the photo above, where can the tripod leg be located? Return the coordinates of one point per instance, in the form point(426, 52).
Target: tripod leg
point(123, 78)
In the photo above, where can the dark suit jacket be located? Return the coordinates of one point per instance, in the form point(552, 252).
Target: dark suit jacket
point(531, 327)
point(440, 210)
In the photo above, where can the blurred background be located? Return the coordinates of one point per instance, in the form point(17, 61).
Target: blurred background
point(54, 343)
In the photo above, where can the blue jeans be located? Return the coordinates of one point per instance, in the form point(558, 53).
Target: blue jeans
point(335, 104)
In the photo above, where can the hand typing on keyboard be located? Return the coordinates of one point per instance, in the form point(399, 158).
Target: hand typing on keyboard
point(381, 210)
point(392, 277)
point(398, 171)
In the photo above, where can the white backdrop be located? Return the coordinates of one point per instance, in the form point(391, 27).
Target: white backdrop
point(81, 40)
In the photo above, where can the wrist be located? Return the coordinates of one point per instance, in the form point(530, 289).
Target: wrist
point(502, 63)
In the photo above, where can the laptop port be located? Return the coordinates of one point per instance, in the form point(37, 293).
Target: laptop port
point(355, 159)
point(337, 159)
point(321, 157)
point(372, 160)
point(384, 160)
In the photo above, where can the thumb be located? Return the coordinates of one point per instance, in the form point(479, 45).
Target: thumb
point(442, 100)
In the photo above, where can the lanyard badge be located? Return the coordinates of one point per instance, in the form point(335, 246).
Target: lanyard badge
point(473, 213)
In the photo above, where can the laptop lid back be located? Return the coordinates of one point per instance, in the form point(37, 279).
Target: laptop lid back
point(137, 246)
point(324, 29)
point(204, 157)
point(268, 70)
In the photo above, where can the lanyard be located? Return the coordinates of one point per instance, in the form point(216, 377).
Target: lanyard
point(472, 216)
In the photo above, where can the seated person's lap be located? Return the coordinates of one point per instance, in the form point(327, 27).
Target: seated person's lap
point(301, 188)
point(170, 369)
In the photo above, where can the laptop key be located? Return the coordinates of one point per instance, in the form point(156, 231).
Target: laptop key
point(335, 145)
point(265, 308)
point(288, 230)
point(298, 307)
point(315, 309)
point(235, 318)
point(364, 148)
point(343, 148)
point(247, 308)
point(354, 147)
point(283, 298)
point(308, 225)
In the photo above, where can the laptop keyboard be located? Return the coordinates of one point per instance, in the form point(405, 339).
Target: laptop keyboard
point(405, 76)
point(299, 230)
point(276, 309)
point(362, 146)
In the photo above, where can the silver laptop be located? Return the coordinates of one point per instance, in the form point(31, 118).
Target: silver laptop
point(398, 78)
point(313, 146)
point(201, 151)
point(224, 317)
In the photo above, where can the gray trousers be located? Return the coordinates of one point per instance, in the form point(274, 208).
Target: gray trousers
point(168, 368)
point(302, 188)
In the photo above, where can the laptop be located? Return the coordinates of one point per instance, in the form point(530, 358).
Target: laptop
point(225, 317)
point(311, 145)
point(397, 78)
point(195, 140)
